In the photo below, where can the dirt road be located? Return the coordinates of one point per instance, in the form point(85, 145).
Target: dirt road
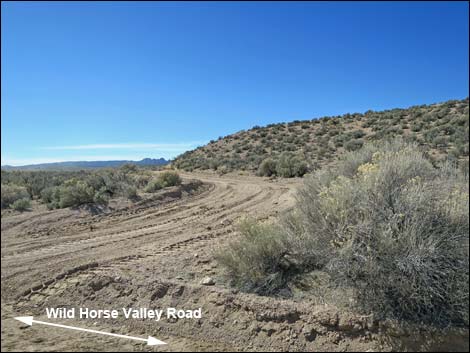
point(154, 254)
point(170, 241)
point(37, 248)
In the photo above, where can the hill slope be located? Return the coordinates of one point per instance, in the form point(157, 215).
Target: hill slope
point(443, 128)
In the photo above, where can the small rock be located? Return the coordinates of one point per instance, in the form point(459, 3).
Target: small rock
point(270, 328)
point(172, 320)
point(255, 328)
point(207, 281)
point(225, 222)
point(357, 327)
point(309, 334)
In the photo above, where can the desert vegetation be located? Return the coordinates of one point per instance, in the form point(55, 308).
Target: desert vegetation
point(163, 180)
point(441, 129)
point(384, 226)
point(287, 166)
point(14, 196)
point(60, 189)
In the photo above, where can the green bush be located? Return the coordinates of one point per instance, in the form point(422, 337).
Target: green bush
point(74, 193)
point(289, 166)
point(102, 196)
point(165, 179)
point(12, 193)
point(153, 186)
point(169, 178)
point(357, 134)
point(71, 193)
point(47, 194)
point(21, 204)
point(267, 167)
point(353, 145)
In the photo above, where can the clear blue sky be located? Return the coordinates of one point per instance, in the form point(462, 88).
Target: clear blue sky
point(132, 80)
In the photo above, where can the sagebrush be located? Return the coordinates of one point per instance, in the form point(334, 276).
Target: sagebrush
point(253, 261)
point(163, 180)
point(11, 194)
point(384, 224)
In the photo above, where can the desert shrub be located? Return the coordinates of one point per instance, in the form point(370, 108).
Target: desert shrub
point(353, 145)
point(214, 164)
point(74, 193)
point(416, 126)
point(169, 178)
point(253, 261)
point(141, 180)
point(224, 169)
point(128, 168)
point(267, 167)
point(129, 191)
point(357, 134)
point(21, 204)
point(300, 167)
point(163, 180)
point(11, 194)
point(153, 186)
point(386, 226)
point(47, 194)
point(289, 166)
point(102, 196)
point(395, 231)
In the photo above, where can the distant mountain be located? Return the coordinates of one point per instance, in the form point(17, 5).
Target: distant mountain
point(86, 164)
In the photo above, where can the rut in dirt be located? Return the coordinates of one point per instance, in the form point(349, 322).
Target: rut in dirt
point(31, 262)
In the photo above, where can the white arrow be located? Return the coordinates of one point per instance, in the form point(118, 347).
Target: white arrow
point(28, 320)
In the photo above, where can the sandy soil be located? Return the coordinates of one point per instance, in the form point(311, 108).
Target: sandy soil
point(154, 254)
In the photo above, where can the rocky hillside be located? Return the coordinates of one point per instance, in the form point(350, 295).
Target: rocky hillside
point(442, 128)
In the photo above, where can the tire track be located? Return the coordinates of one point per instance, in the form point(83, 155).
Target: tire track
point(126, 237)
